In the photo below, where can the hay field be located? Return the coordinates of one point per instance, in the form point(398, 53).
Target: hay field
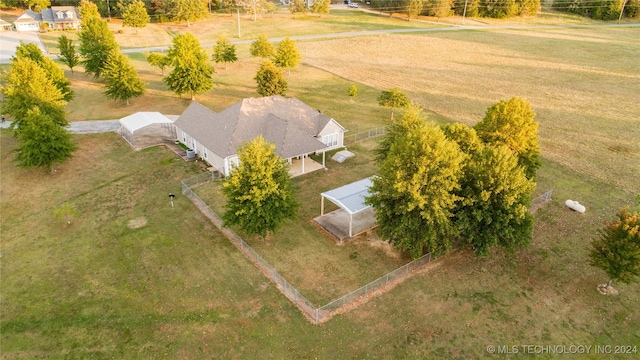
point(584, 85)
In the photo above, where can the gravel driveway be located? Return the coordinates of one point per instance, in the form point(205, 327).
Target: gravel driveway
point(9, 40)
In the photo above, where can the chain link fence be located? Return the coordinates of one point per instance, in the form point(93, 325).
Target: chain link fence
point(540, 200)
point(315, 314)
point(364, 135)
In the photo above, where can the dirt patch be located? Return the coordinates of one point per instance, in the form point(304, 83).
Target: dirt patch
point(374, 241)
point(137, 222)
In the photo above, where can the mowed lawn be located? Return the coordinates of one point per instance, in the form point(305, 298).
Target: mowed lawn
point(103, 287)
point(582, 83)
point(312, 262)
point(132, 277)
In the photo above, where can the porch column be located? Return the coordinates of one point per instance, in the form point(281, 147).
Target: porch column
point(323, 156)
point(350, 225)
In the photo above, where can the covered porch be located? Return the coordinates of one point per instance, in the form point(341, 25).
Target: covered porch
point(304, 164)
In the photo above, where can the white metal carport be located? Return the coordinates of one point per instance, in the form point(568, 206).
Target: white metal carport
point(350, 197)
point(136, 122)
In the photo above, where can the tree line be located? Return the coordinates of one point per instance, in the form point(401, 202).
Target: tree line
point(600, 9)
point(596, 9)
point(469, 8)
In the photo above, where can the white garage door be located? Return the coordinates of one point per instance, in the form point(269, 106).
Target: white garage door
point(27, 27)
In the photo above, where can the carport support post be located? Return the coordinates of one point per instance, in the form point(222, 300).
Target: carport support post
point(350, 224)
point(303, 156)
point(321, 205)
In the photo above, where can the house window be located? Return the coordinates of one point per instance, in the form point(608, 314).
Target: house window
point(184, 138)
point(330, 140)
point(69, 15)
point(205, 153)
point(60, 15)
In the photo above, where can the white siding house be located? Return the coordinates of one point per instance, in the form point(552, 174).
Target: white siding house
point(295, 128)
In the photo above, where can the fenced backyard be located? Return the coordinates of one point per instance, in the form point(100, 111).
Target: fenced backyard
point(364, 135)
point(315, 314)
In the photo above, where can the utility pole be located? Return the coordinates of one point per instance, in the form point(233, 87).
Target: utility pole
point(108, 10)
point(622, 11)
point(238, 9)
point(464, 13)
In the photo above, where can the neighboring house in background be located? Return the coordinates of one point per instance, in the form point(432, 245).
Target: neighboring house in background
point(55, 17)
point(5, 26)
point(295, 128)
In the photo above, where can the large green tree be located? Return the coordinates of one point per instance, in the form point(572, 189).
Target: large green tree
point(512, 123)
point(413, 8)
point(88, 9)
point(54, 72)
point(192, 73)
point(43, 142)
point(27, 86)
point(414, 194)
point(68, 53)
point(297, 7)
point(134, 15)
point(37, 5)
point(187, 10)
point(320, 7)
point(122, 80)
point(270, 80)
point(393, 99)
point(224, 52)
point(262, 47)
point(495, 194)
point(287, 55)
point(96, 42)
point(439, 8)
point(617, 249)
point(259, 191)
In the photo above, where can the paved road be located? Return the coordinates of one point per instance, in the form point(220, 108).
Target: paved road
point(85, 127)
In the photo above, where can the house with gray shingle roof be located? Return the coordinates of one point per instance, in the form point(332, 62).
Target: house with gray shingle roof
point(295, 128)
point(55, 17)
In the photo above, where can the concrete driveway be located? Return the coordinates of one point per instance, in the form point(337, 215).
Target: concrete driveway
point(9, 40)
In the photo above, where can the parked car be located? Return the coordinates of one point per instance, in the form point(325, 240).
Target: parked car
point(354, 5)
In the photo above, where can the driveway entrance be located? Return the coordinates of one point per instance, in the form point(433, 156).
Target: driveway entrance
point(10, 40)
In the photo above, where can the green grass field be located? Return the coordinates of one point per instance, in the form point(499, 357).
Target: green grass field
point(321, 270)
point(132, 277)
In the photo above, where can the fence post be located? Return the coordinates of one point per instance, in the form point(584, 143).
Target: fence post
point(316, 315)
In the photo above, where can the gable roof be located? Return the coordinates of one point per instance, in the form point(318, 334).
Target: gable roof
point(288, 123)
point(28, 16)
point(51, 14)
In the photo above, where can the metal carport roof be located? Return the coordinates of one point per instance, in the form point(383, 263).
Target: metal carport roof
point(350, 197)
